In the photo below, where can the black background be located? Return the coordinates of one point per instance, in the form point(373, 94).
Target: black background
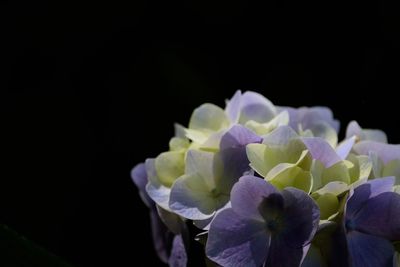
point(89, 89)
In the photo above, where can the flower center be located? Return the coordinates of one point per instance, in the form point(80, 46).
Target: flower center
point(350, 225)
point(273, 225)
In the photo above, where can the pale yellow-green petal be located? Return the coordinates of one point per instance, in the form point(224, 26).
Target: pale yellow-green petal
point(305, 133)
point(179, 130)
point(265, 128)
point(287, 153)
point(213, 141)
point(283, 170)
point(178, 144)
point(205, 164)
point(354, 171)
point(317, 169)
point(303, 181)
point(392, 168)
point(397, 189)
point(293, 150)
point(289, 175)
point(169, 166)
point(337, 172)
point(361, 168)
point(197, 136)
point(200, 162)
point(258, 128)
point(208, 117)
point(336, 188)
point(305, 160)
point(256, 156)
point(377, 165)
point(328, 205)
point(365, 166)
point(396, 259)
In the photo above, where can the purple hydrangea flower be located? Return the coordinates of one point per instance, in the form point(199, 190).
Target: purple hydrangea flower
point(351, 219)
point(371, 222)
point(264, 225)
point(354, 129)
point(385, 158)
point(318, 120)
point(249, 106)
point(386, 152)
point(310, 117)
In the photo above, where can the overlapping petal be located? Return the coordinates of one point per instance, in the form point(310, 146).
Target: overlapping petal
point(386, 152)
point(209, 176)
point(158, 192)
point(178, 257)
point(263, 225)
point(282, 159)
point(354, 129)
point(139, 177)
point(372, 220)
point(318, 120)
point(237, 241)
point(369, 251)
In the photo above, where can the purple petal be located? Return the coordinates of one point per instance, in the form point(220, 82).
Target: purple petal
point(160, 195)
point(321, 151)
point(380, 216)
point(317, 114)
point(369, 251)
point(364, 192)
point(178, 256)
point(307, 117)
point(233, 155)
point(247, 195)
point(162, 238)
point(205, 224)
point(256, 107)
point(344, 148)
point(233, 107)
point(139, 177)
point(386, 152)
point(282, 255)
point(354, 129)
point(301, 218)
point(235, 165)
point(236, 241)
point(238, 136)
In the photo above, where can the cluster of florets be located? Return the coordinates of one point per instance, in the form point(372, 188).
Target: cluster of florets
point(273, 186)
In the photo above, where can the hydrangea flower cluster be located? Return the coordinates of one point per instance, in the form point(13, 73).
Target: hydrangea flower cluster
point(273, 186)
